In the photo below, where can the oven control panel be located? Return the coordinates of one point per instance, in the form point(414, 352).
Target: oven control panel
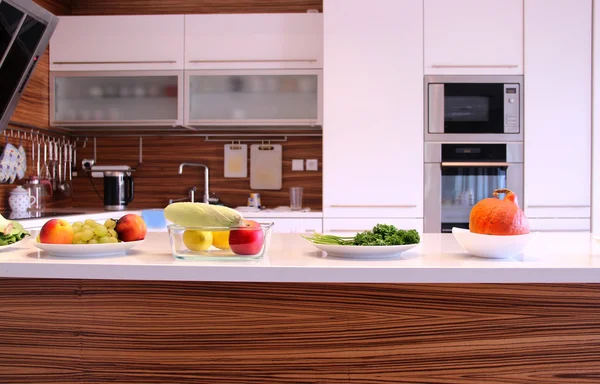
point(511, 108)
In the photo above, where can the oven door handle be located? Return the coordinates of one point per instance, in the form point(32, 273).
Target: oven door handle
point(475, 164)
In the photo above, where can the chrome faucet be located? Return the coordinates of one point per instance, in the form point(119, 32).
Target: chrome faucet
point(206, 195)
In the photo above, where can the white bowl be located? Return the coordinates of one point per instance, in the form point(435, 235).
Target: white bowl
point(490, 246)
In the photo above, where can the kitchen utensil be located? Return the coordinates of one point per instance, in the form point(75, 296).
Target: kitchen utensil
point(265, 166)
point(22, 165)
point(39, 188)
point(87, 250)
point(236, 160)
point(64, 186)
point(20, 199)
point(362, 252)
point(296, 198)
point(118, 190)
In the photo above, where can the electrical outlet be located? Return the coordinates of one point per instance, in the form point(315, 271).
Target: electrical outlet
point(297, 165)
point(87, 164)
point(312, 165)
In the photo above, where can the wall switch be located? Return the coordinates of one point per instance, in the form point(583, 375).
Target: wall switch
point(297, 165)
point(312, 165)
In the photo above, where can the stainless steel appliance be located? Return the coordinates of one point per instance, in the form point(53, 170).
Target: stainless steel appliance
point(118, 190)
point(458, 175)
point(25, 29)
point(473, 108)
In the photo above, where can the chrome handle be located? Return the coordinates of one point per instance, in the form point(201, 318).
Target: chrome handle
point(115, 62)
point(254, 61)
point(475, 164)
point(558, 206)
point(372, 206)
point(475, 66)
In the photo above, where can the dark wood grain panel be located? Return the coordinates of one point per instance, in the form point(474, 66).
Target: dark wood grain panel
point(157, 179)
point(185, 332)
point(137, 7)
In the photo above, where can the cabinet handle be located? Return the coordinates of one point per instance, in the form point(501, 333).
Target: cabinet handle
point(372, 206)
point(254, 61)
point(475, 66)
point(560, 230)
point(115, 62)
point(474, 164)
point(558, 206)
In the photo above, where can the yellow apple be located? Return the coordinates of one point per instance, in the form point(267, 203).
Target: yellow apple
point(196, 240)
point(221, 239)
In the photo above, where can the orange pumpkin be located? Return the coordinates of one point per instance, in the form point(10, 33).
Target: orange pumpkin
point(493, 216)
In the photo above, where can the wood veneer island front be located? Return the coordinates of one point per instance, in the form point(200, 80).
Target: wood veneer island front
point(436, 315)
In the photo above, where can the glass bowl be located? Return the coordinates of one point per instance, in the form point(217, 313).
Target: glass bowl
point(219, 243)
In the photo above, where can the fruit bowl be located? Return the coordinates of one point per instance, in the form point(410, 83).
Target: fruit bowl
point(220, 243)
point(490, 246)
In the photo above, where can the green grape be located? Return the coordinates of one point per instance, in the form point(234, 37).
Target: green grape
point(79, 242)
point(87, 235)
point(76, 227)
point(110, 223)
point(90, 222)
point(77, 224)
point(100, 230)
point(113, 233)
point(76, 237)
point(93, 241)
point(112, 240)
point(85, 226)
point(104, 239)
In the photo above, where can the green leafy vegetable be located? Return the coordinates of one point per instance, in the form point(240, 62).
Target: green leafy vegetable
point(380, 235)
point(16, 233)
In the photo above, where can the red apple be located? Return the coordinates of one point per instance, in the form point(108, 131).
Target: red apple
point(131, 227)
point(56, 231)
point(247, 240)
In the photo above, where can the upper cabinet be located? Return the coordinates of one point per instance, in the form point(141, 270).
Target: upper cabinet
point(92, 43)
point(254, 41)
point(558, 101)
point(473, 37)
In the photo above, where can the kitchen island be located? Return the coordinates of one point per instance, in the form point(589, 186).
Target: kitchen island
point(435, 315)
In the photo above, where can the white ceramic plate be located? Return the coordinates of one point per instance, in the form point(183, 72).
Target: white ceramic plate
point(2, 247)
point(364, 252)
point(87, 250)
point(489, 246)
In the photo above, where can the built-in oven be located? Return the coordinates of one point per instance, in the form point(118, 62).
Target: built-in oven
point(473, 108)
point(458, 175)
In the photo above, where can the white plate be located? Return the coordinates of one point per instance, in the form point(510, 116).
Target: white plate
point(87, 250)
point(489, 246)
point(364, 252)
point(2, 247)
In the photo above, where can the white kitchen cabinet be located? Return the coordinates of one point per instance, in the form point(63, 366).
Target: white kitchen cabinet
point(294, 225)
point(373, 109)
point(254, 41)
point(280, 97)
point(349, 227)
point(116, 98)
point(559, 225)
point(596, 121)
point(93, 43)
point(557, 91)
point(474, 37)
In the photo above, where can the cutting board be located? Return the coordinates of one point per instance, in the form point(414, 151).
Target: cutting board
point(265, 166)
point(236, 160)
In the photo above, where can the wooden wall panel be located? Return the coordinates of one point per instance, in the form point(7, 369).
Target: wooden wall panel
point(157, 179)
point(137, 7)
point(71, 331)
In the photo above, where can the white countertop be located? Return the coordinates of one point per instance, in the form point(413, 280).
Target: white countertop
point(551, 258)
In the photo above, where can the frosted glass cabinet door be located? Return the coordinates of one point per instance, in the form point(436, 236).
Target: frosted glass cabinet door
point(116, 98)
point(254, 98)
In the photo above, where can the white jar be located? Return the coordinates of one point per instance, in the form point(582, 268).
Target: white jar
point(20, 200)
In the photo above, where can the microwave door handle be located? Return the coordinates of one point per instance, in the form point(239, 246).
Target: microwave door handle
point(435, 108)
point(475, 164)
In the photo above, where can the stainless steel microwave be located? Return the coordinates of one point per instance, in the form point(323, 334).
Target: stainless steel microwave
point(474, 108)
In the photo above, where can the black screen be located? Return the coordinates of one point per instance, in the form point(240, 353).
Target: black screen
point(16, 62)
point(9, 21)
